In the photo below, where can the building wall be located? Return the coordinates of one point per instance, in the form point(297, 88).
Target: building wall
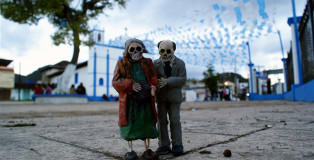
point(5, 93)
point(307, 54)
point(6, 77)
point(25, 94)
point(81, 78)
point(44, 75)
point(6, 82)
point(102, 69)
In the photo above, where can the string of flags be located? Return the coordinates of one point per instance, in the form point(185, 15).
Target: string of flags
point(216, 36)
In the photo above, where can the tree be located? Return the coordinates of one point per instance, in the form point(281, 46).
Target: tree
point(211, 79)
point(230, 76)
point(70, 22)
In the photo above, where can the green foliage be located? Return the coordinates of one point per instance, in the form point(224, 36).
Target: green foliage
point(211, 78)
point(229, 76)
point(28, 11)
point(70, 23)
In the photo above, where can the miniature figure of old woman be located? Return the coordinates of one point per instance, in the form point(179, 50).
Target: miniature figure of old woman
point(136, 81)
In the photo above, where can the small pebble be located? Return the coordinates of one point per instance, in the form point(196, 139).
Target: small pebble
point(268, 126)
point(227, 153)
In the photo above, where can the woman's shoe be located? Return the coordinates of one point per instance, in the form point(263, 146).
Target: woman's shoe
point(149, 154)
point(130, 156)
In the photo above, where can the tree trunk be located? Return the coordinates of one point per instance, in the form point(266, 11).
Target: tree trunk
point(65, 79)
point(64, 84)
point(76, 43)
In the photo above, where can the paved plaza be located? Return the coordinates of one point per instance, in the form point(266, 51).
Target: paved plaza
point(249, 129)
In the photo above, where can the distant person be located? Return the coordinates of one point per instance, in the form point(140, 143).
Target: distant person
point(105, 97)
point(48, 89)
point(206, 95)
point(81, 89)
point(72, 89)
point(227, 94)
point(220, 94)
point(53, 87)
point(38, 89)
point(213, 95)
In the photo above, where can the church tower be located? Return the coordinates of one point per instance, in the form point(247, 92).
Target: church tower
point(97, 36)
point(98, 69)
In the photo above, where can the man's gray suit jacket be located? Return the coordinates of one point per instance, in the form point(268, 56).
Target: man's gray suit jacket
point(172, 91)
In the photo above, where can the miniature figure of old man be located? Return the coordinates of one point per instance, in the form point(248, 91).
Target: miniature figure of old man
point(172, 77)
point(136, 81)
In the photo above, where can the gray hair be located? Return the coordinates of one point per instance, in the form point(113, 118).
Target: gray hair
point(128, 43)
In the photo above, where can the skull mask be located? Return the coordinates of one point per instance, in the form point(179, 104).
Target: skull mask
point(166, 49)
point(135, 51)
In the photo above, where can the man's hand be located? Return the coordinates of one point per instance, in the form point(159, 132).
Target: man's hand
point(162, 82)
point(136, 87)
point(153, 90)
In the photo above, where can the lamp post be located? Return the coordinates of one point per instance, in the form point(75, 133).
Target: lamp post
point(296, 33)
point(19, 97)
point(284, 63)
point(251, 68)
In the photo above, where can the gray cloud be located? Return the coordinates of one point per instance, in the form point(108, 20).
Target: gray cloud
point(19, 38)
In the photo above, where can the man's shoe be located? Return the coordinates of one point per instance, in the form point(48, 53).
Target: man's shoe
point(163, 150)
point(130, 156)
point(149, 154)
point(177, 150)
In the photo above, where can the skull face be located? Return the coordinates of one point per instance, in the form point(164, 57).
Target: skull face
point(166, 49)
point(135, 51)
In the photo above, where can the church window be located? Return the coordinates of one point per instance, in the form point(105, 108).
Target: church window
point(99, 37)
point(101, 81)
point(76, 78)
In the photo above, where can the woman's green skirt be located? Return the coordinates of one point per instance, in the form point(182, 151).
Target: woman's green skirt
point(140, 121)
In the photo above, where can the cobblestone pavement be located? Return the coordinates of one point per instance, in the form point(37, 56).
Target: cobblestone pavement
point(250, 129)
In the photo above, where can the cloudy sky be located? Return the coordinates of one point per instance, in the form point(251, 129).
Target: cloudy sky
point(31, 47)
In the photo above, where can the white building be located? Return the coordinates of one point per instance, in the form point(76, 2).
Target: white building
point(97, 72)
